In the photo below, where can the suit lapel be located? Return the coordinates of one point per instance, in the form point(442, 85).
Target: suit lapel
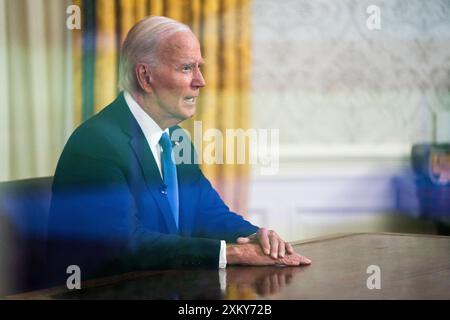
point(147, 163)
point(153, 179)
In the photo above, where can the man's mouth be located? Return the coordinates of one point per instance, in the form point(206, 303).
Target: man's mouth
point(190, 99)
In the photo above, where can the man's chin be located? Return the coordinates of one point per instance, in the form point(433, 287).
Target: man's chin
point(185, 116)
point(189, 112)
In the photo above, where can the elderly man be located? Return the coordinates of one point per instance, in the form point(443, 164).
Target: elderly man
point(120, 203)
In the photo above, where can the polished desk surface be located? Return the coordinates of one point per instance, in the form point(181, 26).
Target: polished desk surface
point(411, 267)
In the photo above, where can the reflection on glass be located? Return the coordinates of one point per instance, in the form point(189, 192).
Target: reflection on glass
point(250, 282)
point(241, 283)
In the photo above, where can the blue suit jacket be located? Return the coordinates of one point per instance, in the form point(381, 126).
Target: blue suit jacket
point(108, 212)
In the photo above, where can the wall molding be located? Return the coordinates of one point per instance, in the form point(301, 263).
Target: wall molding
point(346, 152)
point(337, 160)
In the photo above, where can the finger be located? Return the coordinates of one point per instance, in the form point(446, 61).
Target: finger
point(264, 240)
point(273, 244)
point(281, 249)
point(243, 240)
point(293, 260)
point(289, 248)
point(305, 260)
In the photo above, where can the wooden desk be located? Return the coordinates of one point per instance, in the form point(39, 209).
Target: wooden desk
point(412, 267)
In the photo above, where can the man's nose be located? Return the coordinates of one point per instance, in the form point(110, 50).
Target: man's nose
point(198, 80)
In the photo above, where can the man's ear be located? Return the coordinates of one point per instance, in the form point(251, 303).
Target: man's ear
point(143, 76)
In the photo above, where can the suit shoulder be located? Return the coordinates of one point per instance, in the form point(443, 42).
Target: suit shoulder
point(99, 134)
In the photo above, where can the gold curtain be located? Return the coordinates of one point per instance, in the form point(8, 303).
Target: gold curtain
point(223, 28)
point(34, 113)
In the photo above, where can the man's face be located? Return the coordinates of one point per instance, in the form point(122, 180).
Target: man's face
point(177, 79)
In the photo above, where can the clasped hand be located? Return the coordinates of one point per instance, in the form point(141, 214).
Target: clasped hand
point(272, 246)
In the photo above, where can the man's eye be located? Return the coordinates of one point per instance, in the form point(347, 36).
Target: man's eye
point(186, 68)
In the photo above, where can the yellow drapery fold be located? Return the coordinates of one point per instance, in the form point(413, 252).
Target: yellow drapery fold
point(127, 16)
point(77, 56)
point(140, 9)
point(105, 78)
point(223, 28)
point(228, 174)
point(34, 111)
point(243, 104)
point(156, 7)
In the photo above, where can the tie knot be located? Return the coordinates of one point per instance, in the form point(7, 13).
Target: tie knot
point(165, 141)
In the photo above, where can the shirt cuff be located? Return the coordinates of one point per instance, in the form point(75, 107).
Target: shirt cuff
point(223, 255)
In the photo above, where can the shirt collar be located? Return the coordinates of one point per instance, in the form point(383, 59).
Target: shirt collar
point(151, 129)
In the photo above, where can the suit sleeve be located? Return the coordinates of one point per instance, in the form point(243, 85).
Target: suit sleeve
point(215, 220)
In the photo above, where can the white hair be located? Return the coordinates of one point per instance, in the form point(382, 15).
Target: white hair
point(141, 44)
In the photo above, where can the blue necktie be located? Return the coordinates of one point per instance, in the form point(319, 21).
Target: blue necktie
point(169, 174)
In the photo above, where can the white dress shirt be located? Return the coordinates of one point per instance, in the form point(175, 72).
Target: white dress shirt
point(153, 133)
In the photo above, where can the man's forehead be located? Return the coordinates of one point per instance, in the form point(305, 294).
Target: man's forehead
point(183, 58)
point(182, 45)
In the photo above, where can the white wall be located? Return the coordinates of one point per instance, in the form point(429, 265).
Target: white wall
point(349, 103)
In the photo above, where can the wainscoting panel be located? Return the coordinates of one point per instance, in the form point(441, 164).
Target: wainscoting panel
point(301, 204)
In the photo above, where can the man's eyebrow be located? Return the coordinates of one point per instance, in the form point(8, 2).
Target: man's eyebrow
point(192, 62)
point(201, 61)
